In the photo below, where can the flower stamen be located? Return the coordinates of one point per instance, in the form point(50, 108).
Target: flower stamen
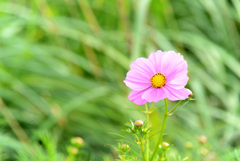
point(158, 80)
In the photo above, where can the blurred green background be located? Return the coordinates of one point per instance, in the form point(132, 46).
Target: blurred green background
point(63, 62)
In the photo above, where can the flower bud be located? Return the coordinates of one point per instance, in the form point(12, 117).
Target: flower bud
point(164, 146)
point(202, 139)
point(191, 94)
point(125, 148)
point(77, 141)
point(188, 145)
point(204, 152)
point(73, 150)
point(138, 123)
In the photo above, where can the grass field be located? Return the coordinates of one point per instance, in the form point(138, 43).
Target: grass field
point(63, 62)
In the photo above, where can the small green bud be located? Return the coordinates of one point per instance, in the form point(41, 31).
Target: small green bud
point(188, 145)
point(125, 148)
point(164, 146)
point(73, 150)
point(169, 114)
point(77, 141)
point(204, 152)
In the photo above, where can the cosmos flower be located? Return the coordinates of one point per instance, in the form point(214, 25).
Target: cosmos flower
point(162, 75)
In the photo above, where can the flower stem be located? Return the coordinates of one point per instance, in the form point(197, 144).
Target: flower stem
point(150, 111)
point(171, 111)
point(141, 141)
point(148, 124)
point(163, 155)
point(162, 130)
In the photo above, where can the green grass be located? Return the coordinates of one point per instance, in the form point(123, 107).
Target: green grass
point(62, 66)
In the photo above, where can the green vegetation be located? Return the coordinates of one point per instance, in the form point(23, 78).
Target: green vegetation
point(62, 66)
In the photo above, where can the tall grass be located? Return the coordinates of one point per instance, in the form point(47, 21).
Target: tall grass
point(62, 66)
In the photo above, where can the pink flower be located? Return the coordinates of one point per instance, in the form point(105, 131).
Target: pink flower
point(162, 75)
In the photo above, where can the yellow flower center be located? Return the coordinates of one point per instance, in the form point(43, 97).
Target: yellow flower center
point(158, 80)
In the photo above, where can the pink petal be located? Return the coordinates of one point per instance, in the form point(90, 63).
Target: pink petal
point(173, 65)
point(177, 94)
point(179, 70)
point(143, 65)
point(178, 82)
point(156, 59)
point(136, 86)
point(136, 97)
point(169, 61)
point(155, 94)
point(137, 76)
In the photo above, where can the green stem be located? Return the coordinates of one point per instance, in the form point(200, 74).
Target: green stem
point(140, 138)
point(150, 111)
point(162, 130)
point(70, 157)
point(137, 138)
point(147, 148)
point(163, 155)
point(171, 111)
